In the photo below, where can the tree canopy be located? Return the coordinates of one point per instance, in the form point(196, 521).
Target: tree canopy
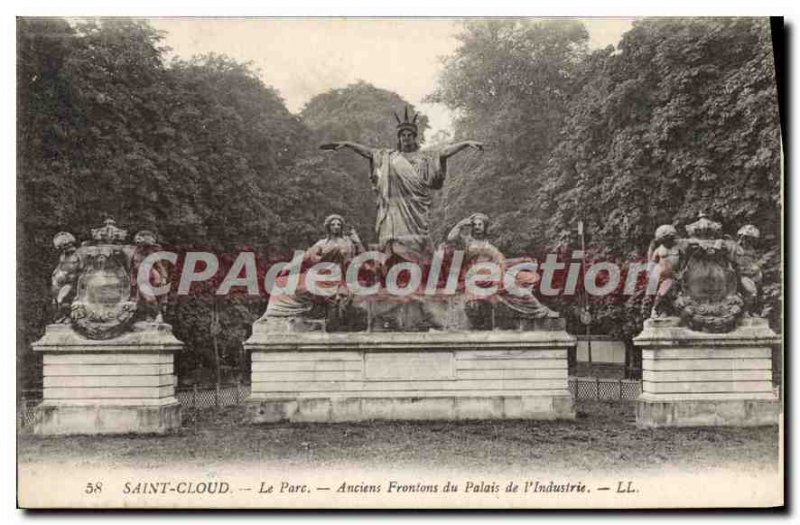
point(681, 118)
point(510, 82)
point(198, 150)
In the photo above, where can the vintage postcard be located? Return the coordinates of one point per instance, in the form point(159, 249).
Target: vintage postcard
point(393, 263)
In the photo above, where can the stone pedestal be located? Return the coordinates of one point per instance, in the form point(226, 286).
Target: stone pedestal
point(694, 378)
point(325, 377)
point(114, 386)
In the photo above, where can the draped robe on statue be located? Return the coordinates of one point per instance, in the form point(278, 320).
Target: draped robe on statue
point(480, 251)
point(404, 183)
point(337, 250)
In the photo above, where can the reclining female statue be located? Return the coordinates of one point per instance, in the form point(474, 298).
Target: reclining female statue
point(469, 235)
point(337, 248)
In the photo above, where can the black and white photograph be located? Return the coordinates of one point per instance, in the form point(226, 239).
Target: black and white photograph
point(400, 262)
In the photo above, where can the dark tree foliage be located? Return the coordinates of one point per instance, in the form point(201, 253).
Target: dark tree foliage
point(681, 118)
point(43, 114)
point(510, 82)
point(199, 150)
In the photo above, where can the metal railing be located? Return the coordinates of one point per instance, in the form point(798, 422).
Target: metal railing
point(205, 397)
point(595, 388)
point(193, 397)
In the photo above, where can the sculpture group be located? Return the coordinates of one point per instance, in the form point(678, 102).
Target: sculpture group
point(708, 280)
point(94, 286)
point(327, 354)
point(403, 180)
point(108, 356)
point(707, 353)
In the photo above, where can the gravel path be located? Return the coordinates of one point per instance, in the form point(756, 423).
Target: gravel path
point(601, 438)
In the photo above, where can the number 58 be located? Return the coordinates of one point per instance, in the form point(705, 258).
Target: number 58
point(94, 488)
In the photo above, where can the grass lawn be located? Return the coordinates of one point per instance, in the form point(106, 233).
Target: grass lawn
point(602, 437)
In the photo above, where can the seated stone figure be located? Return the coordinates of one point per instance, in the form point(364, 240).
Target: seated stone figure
point(469, 235)
point(299, 307)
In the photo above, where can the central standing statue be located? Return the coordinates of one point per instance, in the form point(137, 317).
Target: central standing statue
point(404, 179)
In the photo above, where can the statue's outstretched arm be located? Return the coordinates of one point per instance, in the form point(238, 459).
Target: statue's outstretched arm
point(362, 150)
point(452, 149)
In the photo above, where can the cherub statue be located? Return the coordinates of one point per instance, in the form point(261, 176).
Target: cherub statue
point(665, 253)
point(65, 276)
point(748, 265)
point(153, 306)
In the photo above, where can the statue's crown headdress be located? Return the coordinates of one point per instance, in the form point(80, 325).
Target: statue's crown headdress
point(703, 227)
point(404, 124)
point(109, 233)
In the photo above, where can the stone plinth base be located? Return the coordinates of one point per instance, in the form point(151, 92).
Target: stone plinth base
point(708, 412)
point(700, 379)
point(454, 406)
point(114, 386)
point(55, 419)
point(327, 377)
